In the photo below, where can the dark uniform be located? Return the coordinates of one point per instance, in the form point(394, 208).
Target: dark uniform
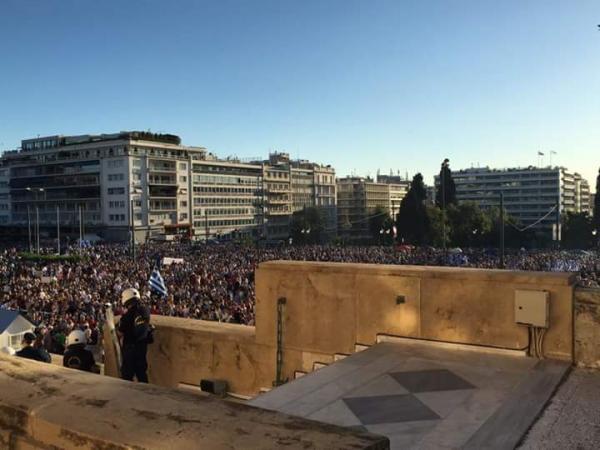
point(37, 354)
point(77, 357)
point(135, 327)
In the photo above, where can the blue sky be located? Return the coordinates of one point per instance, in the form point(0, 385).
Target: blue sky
point(361, 85)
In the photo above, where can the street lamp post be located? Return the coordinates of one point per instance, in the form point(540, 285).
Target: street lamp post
point(29, 227)
point(80, 226)
point(37, 216)
point(443, 209)
point(58, 229)
point(502, 230)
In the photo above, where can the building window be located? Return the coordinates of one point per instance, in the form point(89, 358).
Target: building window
point(113, 164)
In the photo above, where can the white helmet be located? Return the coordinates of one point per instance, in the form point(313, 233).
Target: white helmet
point(76, 337)
point(8, 350)
point(129, 294)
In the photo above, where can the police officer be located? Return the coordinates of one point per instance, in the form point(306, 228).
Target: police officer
point(136, 331)
point(77, 356)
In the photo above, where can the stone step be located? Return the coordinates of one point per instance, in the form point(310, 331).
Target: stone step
point(319, 365)
point(360, 347)
point(299, 374)
point(340, 356)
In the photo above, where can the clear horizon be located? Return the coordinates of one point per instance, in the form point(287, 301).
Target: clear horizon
point(361, 86)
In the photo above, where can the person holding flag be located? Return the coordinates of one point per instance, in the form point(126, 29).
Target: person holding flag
point(156, 282)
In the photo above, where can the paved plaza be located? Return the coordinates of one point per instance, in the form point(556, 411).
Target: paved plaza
point(423, 396)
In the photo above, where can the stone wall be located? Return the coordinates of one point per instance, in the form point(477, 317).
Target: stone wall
point(186, 351)
point(43, 406)
point(587, 327)
point(332, 307)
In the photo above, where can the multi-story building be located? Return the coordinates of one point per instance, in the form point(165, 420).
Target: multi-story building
point(4, 194)
point(531, 194)
point(357, 198)
point(398, 189)
point(227, 199)
point(325, 198)
point(292, 185)
point(113, 184)
point(277, 204)
point(96, 182)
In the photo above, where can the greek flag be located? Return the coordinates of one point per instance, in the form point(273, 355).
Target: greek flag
point(157, 283)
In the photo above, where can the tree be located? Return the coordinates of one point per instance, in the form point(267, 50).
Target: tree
point(377, 218)
point(435, 235)
point(468, 224)
point(446, 193)
point(596, 221)
point(306, 226)
point(577, 231)
point(380, 220)
point(513, 238)
point(412, 220)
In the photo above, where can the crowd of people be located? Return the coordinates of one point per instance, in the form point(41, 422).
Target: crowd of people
point(210, 282)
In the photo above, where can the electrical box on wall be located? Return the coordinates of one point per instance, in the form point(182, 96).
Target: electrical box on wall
point(532, 308)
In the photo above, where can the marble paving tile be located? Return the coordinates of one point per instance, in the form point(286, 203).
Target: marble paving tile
point(445, 403)
point(336, 413)
point(405, 435)
point(431, 380)
point(382, 385)
point(389, 409)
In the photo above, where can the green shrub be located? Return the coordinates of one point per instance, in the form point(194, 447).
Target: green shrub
point(49, 258)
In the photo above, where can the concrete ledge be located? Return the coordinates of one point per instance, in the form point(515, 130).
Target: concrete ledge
point(45, 406)
point(232, 330)
point(587, 327)
point(450, 345)
point(452, 273)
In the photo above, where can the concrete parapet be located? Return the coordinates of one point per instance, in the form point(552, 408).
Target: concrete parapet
point(332, 306)
point(45, 406)
point(587, 327)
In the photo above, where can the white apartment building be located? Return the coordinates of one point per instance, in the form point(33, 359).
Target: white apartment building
point(529, 193)
point(98, 180)
point(227, 198)
point(357, 198)
point(4, 195)
point(290, 186)
point(398, 189)
point(113, 184)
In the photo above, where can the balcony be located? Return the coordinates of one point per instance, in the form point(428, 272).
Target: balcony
point(163, 191)
point(278, 201)
point(162, 181)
